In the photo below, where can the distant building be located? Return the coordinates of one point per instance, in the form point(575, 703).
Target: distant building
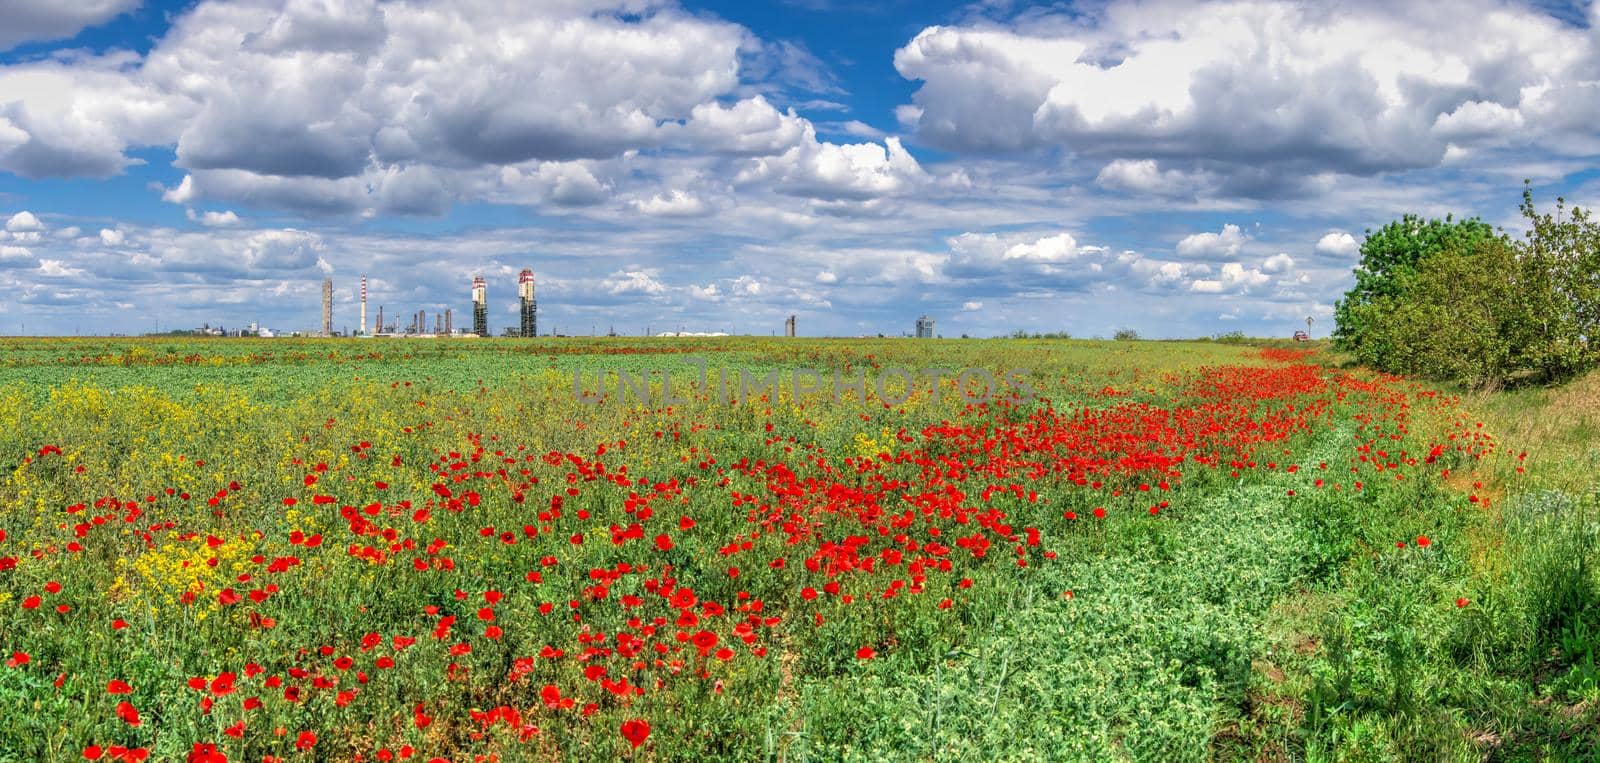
point(480, 306)
point(327, 307)
point(788, 326)
point(529, 308)
point(924, 327)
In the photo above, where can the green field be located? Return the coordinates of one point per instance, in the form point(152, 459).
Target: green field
point(1164, 551)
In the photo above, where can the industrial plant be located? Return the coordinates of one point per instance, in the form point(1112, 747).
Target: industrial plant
point(443, 325)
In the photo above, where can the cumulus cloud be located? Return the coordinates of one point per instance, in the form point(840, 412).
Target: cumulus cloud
point(672, 203)
point(633, 282)
point(1338, 244)
point(832, 171)
point(1212, 246)
point(16, 257)
point(1257, 97)
point(223, 219)
point(287, 249)
point(397, 108)
point(49, 268)
point(35, 20)
point(1278, 263)
point(1145, 176)
point(24, 222)
point(111, 238)
point(1234, 277)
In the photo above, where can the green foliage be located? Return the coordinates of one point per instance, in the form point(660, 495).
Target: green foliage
point(1231, 337)
point(1449, 301)
point(1387, 256)
point(1459, 315)
point(1023, 334)
point(1126, 335)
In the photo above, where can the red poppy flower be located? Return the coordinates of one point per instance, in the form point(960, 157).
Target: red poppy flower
point(866, 653)
point(635, 731)
point(128, 713)
point(206, 753)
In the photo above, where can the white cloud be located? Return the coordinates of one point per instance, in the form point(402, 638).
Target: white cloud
point(1213, 245)
point(1146, 176)
point(57, 269)
point(111, 238)
point(31, 20)
point(672, 203)
point(360, 107)
point(1233, 278)
point(831, 171)
point(633, 282)
point(1338, 244)
point(1259, 95)
point(16, 257)
point(182, 194)
point(971, 306)
point(223, 219)
point(827, 276)
point(287, 249)
point(24, 222)
point(1278, 263)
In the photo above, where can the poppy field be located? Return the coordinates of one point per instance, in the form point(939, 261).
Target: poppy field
point(392, 550)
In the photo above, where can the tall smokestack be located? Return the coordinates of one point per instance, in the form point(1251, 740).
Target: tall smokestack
point(377, 328)
point(327, 307)
point(480, 306)
point(362, 326)
point(530, 306)
point(449, 321)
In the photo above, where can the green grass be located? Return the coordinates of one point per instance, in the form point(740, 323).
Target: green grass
point(1242, 623)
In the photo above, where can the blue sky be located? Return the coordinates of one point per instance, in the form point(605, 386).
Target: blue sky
point(1177, 168)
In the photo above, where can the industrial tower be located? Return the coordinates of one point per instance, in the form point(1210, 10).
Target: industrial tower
point(788, 326)
point(327, 307)
point(362, 326)
point(480, 306)
point(530, 305)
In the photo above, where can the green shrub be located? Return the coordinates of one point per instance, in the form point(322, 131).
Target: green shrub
point(1451, 301)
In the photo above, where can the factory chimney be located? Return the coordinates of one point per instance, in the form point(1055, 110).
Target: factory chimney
point(530, 306)
point(378, 327)
point(362, 326)
point(327, 307)
point(788, 326)
point(449, 322)
point(480, 306)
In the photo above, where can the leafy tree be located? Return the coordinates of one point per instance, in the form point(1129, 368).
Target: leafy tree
point(1126, 335)
point(1451, 301)
point(1388, 256)
point(1562, 253)
point(1459, 314)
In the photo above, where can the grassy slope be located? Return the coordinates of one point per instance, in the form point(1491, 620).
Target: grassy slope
point(1246, 625)
point(1376, 665)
